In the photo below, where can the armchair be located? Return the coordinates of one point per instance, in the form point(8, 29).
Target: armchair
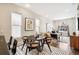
point(31, 43)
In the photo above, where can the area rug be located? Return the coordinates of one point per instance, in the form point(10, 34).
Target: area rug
point(46, 51)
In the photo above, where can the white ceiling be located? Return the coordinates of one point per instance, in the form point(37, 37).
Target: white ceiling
point(53, 11)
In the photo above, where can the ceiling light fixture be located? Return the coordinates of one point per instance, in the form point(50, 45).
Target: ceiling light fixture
point(27, 5)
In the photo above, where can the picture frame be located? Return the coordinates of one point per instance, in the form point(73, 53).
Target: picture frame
point(29, 24)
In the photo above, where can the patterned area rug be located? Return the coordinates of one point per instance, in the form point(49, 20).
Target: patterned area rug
point(46, 51)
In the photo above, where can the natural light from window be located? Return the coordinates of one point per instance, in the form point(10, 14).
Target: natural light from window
point(16, 24)
point(37, 26)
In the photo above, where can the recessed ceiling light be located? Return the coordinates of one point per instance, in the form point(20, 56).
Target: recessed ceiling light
point(27, 5)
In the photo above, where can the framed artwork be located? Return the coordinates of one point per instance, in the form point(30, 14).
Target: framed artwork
point(29, 24)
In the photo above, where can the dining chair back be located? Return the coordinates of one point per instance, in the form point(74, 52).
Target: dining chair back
point(10, 42)
point(32, 43)
point(14, 47)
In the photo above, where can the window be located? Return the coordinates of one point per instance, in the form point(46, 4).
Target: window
point(16, 25)
point(37, 26)
point(49, 27)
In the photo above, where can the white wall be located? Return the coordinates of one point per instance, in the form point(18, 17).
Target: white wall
point(5, 19)
point(43, 23)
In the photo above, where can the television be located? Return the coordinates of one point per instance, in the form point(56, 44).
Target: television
point(78, 24)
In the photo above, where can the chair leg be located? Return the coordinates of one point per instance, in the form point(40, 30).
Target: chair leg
point(9, 47)
point(30, 49)
point(26, 51)
point(13, 51)
point(38, 51)
point(48, 46)
point(23, 46)
point(43, 44)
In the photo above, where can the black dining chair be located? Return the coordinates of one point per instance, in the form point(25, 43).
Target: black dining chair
point(14, 48)
point(10, 42)
point(32, 43)
point(47, 40)
point(24, 38)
